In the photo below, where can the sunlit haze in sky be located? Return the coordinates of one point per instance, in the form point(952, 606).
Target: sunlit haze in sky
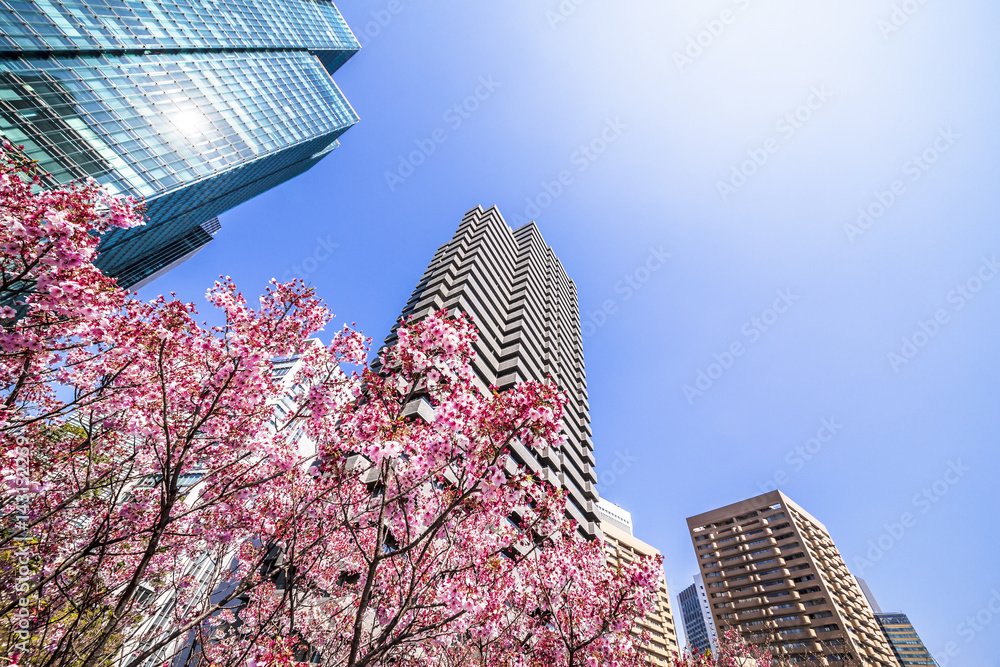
point(810, 184)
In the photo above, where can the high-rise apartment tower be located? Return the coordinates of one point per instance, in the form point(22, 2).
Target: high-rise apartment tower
point(772, 571)
point(194, 106)
point(525, 309)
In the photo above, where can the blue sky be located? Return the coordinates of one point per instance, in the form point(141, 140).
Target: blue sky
point(804, 112)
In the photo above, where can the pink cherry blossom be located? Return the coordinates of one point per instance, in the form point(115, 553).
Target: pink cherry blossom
point(376, 519)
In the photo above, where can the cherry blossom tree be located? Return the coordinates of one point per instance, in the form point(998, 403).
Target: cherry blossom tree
point(733, 651)
point(159, 510)
point(54, 302)
point(437, 545)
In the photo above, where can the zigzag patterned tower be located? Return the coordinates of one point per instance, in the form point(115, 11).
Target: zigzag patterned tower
point(525, 308)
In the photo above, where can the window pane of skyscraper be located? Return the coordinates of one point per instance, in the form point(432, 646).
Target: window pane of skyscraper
point(194, 106)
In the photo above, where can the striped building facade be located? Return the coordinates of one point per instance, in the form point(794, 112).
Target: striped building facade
point(526, 312)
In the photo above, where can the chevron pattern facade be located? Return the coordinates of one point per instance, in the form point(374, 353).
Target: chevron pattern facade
point(525, 308)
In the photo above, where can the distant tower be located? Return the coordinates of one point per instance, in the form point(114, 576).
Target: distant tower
point(525, 309)
point(903, 638)
point(611, 513)
point(622, 547)
point(697, 617)
point(772, 571)
point(868, 595)
point(900, 633)
point(195, 106)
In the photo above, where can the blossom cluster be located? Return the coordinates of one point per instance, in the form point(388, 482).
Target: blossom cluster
point(171, 512)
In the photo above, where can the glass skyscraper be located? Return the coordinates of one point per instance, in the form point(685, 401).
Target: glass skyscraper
point(194, 105)
point(697, 617)
point(903, 638)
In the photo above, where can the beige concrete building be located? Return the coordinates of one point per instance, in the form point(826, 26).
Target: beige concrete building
point(772, 571)
point(623, 547)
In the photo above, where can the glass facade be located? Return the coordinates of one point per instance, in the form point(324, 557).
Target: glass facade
point(194, 106)
point(694, 621)
point(907, 646)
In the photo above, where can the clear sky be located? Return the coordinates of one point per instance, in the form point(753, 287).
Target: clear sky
point(741, 138)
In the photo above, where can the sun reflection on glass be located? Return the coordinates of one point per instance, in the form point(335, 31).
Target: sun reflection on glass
point(189, 122)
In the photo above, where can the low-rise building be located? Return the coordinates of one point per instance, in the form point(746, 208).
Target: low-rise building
point(622, 546)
